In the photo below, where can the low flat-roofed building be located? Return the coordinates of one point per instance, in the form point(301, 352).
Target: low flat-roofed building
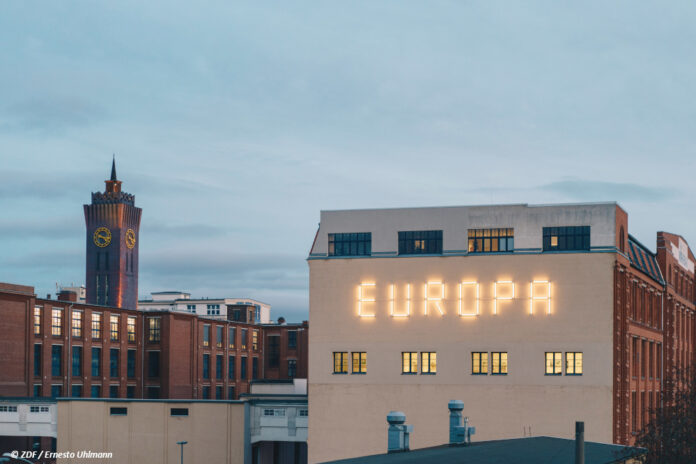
point(233, 309)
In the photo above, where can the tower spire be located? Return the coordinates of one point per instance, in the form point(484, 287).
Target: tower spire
point(113, 168)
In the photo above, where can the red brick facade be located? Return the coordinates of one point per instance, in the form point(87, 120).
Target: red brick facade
point(172, 354)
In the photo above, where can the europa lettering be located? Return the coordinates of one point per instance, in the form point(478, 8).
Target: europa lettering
point(464, 298)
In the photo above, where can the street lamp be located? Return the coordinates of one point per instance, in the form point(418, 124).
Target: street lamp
point(182, 443)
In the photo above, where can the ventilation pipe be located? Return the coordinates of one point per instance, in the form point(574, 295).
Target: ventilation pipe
point(459, 434)
point(398, 434)
point(579, 443)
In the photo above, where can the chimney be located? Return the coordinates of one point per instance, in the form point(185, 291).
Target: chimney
point(579, 443)
point(398, 433)
point(459, 434)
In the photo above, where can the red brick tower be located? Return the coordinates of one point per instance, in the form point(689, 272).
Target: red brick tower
point(113, 223)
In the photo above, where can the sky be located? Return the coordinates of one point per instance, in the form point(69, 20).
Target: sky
point(236, 123)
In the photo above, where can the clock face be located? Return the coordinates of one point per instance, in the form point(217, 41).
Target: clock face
point(102, 237)
point(130, 238)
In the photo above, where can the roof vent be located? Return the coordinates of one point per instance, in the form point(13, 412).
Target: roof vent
point(398, 434)
point(459, 434)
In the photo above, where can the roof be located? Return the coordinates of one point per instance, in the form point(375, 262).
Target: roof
point(536, 450)
point(643, 259)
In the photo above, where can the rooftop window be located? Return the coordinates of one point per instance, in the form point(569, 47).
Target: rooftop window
point(415, 242)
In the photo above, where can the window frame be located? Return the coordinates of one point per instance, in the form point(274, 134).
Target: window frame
point(361, 362)
point(420, 242)
point(560, 360)
point(357, 244)
point(574, 355)
point(342, 362)
point(489, 238)
point(501, 355)
point(561, 234)
point(426, 367)
point(410, 356)
point(482, 360)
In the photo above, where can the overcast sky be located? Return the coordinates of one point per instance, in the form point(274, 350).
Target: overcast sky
point(235, 124)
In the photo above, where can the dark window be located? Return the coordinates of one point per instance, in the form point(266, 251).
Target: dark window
point(491, 240)
point(292, 368)
point(153, 364)
point(113, 362)
point(179, 411)
point(37, 360)
point(131, 364)
point(352, 244)
point(56, 360)
point(95, 391)
point(218, 333)
point(130, 391)
point(218, 392)
point(206, 392)
point(292, 339)
point(76, 391)
point(566, 238)
point(153, 393)
point(420, 242)
point(206, 366)
point(37, 390)
point(118, 411)
point(230, 393)
point(56, 391)
point(244, 338)
point(243, 367)
point(254, 368)
point(76, 361)
point(113, 391)
point(206, 335)
point(273, 350)
point(230, 368)
point(218, 366)
point(96, 362)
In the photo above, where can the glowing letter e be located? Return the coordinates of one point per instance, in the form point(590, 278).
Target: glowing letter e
point(364, 299)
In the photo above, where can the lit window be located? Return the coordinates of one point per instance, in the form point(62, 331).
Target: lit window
point(244, 338)
point(499, 363)
point(409, 362)
point(114, 327)
point(154, 329)
point(230, 337)
point(479, 363)
point(420, 242)
point(340, 359)
point(574, 363)
point(206, 335)
point(353, 244)
point(491, 240)
point(359, 362)
point(57, 322)
point(429, 362)
point(255, 340)
point(131, 330)
point(77, 324)
point(218, 335)
point(96, 326)
point(37, 320)
point(566, 238)
point(554, 361)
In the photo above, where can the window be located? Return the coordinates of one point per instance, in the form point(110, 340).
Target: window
point(255, 340)
point(96, 326)
point(273, 351)
point(243, 367)
point(191, 308)
point(130, 364)
point(77, 324)
point(218, 392)
point(95, 391)
point(206, 392)
point(34, 409)
point(230, 392)
point(292, 339)
point(153, 335)
point(152, 393)
point(179, 412)
point(420, 242)
point(218, 336)
point(491, 240)
point(130, 391)
point(206, 366)
point(499, 363)
point(428, 362)
point(77, 361)
point(76, 391)
point(56, 360)
point(218, 366)
point(351, 244)
point(37, 320)
point(131, 329)
point(153, 364)
point(574, 363)
point(254, 368)
point(114, 327)
point(206, 335)
point(96, 362)
point(553, 363)
point(244, 339)
point(566, 238)
point(636, 356)
point(231, 333)
point(37, 390)
point(409, 362)
point(479, 363)
point(37, 360)
point(292, 368)
point(213, 309)
point(113, 391)
point(118, 411)
point(303, 413)
point(8, 408)
point(274, 412)
point(340, 362)
point(56, 391)
point(57, 322)
point(113, 362)
point(359, 362)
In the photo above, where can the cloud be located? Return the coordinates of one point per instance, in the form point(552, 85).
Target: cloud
point(589, 189)
point(51, 115)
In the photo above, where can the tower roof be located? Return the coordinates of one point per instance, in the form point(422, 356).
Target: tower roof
point(113, 169)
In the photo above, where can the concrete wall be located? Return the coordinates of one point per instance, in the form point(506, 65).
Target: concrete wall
point(148, 433)
point(348, 411)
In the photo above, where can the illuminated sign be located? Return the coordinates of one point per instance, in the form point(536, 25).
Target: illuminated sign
point(466, 298)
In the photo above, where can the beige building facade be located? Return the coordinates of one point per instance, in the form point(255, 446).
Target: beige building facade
point(508, 308)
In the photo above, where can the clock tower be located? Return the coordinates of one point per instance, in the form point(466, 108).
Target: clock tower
point(113, 224)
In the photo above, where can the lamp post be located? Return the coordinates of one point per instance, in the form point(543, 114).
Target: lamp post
point(182, 443)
